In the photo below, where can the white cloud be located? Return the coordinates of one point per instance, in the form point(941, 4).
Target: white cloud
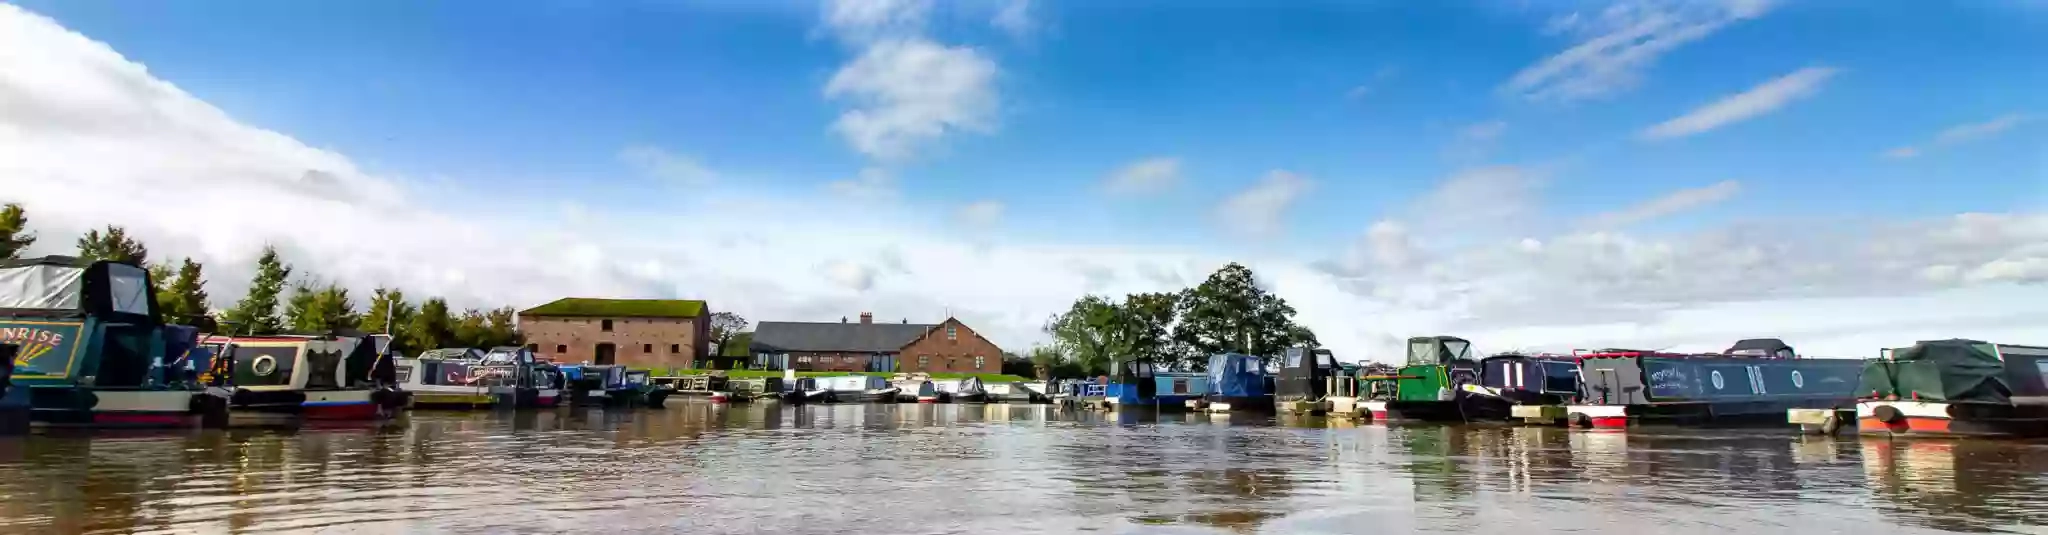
point(1478, 201)
point(873, 183)
point(910, 91)
point(981, 213)
point(858, 21)
point(1764, 98)
point(1678, 201)
point(1963, 133)
point(1474, 141)
point(662, 164)
point(1620, 42)
point(1147, 176)
point(1261, 209)
point(88, 138)
point(1015, 19)
point(1484, 131)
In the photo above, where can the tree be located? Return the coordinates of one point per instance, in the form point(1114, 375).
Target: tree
point(431, 327)
point(319, 311)
point(1229, 313)
point(14, 235)
point(473, 329)
point(1092, 332)
point(1147, 320)
point(184, 299)
point(256, 313)
point(114, 245)
point(723, 326)
point(388, 312)
point(502, 327)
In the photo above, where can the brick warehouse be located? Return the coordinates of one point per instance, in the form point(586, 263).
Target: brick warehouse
point(947, 346)
point(651, 333)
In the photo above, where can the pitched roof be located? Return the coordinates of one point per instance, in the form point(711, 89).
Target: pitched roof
point(737, 346)
point(778, 336)
point(633, 308)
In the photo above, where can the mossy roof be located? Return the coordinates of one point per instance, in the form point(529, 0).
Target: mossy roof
point(633, 308)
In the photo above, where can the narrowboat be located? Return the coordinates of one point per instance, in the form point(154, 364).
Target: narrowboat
point(14, 406)
point(1013, 392)
point(279, 379)
point(1431, 386)
point(1131, 384)
point(448, 378)
point(517, 380)
point(643, 392)
point(853, 389)
point(916, 389)
point(1956, 387)
point(1179, 391)
point(962, 390)
point(1536, 387)
point(90, 347)
point(696, 385)
point(1238, 382)
point(1304, 382)
point(1754, 380)
point(1082, 393)
point(748, 390)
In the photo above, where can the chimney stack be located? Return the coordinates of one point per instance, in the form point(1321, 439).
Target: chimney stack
point(906, 321)
point(867, 318)
point(842, 319)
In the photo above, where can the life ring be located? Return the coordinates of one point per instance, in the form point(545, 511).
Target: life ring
point(263, 366)
point(1888, 414)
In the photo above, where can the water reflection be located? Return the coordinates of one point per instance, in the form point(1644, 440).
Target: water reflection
point(1009, 468)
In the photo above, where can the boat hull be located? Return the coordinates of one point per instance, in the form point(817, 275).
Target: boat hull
point(1914, 418)
point(353, 405)
point(129, 409)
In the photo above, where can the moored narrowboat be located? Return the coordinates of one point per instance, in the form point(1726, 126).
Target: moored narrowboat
point(1304, 383)
point(1131, 384)
point(1956, 388)
point(1755, 381)
point(91, 347)
point(280, 379)
point(962, 390)
point(1013, 392)
point(1431, 386)
point(915, 388)
point(1239, 382)
point(447, 378)
point(1179, 391)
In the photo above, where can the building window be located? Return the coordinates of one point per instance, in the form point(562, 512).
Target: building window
point(949, 363)
point(978, 361)
point(848, 360)
point(646, 348)
point(605, 326)
point(951, 334)
point(806, 359)
point(924, 361)
point(675, 348)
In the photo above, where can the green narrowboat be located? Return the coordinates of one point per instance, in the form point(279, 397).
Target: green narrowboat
point(91, 346)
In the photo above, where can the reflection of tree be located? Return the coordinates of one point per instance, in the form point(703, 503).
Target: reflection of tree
point(1965, 485)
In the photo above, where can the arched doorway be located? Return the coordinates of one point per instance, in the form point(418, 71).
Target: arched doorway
point(607, 353)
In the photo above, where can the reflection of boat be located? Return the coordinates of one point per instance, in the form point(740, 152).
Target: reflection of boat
point(1956, 387)
point(1754, 380)
point(1954, 485)
point(91, 347)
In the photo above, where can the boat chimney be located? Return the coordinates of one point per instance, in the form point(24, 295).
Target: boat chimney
point(906, 321)
point(842, 319)
point(867, 318)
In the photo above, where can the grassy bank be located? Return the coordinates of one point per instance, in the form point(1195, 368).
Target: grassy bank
point(743, 374)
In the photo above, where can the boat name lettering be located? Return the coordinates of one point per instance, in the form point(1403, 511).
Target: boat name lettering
point(34, 342)
point(1667, 379)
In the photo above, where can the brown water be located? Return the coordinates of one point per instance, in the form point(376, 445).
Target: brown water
point(912, 469)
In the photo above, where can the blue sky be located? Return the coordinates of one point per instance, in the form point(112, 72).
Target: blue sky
point(1371, 107)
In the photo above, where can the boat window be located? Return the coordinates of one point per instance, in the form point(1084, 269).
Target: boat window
point(1421, 352)
point(128, 287)
point(404, 373)
point(1325, 359)
point(1294, 358)
point(1457, 348)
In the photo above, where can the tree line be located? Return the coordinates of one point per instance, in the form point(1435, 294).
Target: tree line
point(270, 307)
point(1227, 313)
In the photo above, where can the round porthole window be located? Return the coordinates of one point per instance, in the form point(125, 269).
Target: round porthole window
point(1718, 384)
point(264, 365)
point(1797, 380)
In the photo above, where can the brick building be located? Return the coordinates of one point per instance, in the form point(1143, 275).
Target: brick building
point(947, 346)
point(651, 333)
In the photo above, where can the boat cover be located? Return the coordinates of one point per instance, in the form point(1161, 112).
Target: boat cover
point(1237, 375)
point(1941, 370)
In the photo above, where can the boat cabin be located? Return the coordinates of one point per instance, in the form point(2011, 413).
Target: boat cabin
point(1132, 382)
point(80, 323)
point(1531, 379)
point(1437, 365)
point(1304, 373)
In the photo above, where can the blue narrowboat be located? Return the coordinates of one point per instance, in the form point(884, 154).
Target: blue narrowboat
point(1239, 382)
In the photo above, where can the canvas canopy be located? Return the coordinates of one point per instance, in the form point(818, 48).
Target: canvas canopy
point(1940, 370)
point(68, 287)
point(1238, 375)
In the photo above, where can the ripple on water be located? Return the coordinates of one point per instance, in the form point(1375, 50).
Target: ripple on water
point(975, 469)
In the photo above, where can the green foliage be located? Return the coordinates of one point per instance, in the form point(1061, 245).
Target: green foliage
point(1090, 334)
point(388, 312)
point(320, 311)
point(724, 326)
point(1230, 313)
point(14, 235)
point(431, 327)
point(113, 245)
point(472, 329)
point(184, 299)
point(501, 326)
point(256, 313)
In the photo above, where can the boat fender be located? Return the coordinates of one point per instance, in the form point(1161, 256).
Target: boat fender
point(1888, 414)
point(1581, 419)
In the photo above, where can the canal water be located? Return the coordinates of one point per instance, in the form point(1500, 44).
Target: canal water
point(916, 469)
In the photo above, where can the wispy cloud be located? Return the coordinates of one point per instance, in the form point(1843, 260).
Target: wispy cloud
point(905, 90)
point(1147, 176)
point(1014, 18)
point(1620, 42)
point(1962, 133)
point(1474, 141)
point(981, 213)
point(1673, 203)
point(873, 183)
point(1261, 210)
point(1764, 98)
point(662, 164)
point(1379, 78)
